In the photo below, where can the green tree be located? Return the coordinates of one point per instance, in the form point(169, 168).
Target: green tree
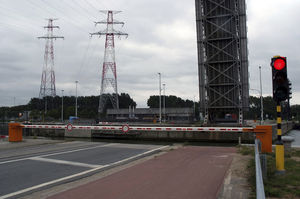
point(171, 102)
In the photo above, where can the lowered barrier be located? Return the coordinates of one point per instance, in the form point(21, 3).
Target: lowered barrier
point(264, 133)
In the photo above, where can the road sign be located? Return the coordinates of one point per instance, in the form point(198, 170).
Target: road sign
point(125, 128)
point(69, 127)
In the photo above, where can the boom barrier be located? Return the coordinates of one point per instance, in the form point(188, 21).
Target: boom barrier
point(264, 133)
point(127, 128)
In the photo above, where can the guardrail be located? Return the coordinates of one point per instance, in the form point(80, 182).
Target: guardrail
point(260, 192)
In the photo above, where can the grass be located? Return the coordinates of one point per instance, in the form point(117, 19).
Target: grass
point(277, 186)
point(288, 184)
point(244, 150)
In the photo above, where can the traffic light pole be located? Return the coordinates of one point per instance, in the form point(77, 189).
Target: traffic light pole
point(279, 144)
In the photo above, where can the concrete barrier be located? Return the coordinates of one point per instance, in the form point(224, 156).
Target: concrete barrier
point(285, 127)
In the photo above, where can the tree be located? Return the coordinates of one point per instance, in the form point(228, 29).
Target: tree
point(171, 102)
point(125, 101)
point(87, 107)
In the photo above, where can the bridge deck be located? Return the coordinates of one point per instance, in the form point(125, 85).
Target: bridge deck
point(188, 172)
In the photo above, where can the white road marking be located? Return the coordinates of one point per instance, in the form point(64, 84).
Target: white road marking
point(124, 160)
point(48, 183)
point(65, 162)
point(21, 159)
point(76, 175)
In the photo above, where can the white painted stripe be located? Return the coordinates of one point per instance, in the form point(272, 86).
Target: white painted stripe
point(76, 175)
point(124, 160)
point(17, 160)
point(76, 150)
point(65, 162)
point(48, 183)
point(21, 159)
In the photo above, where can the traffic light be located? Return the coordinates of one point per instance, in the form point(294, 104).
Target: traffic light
point(281, 89)
point(290, 89)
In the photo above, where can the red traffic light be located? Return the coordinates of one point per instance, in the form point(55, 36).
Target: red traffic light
point(279, 63)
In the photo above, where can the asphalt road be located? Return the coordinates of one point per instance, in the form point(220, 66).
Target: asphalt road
point(191, 172)
point(296, 135)
point(28, 169)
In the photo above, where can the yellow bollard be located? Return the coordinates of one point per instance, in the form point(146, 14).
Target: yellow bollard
point(279, 149)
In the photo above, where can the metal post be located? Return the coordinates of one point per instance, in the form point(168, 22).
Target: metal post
point(76, 100)
point(164, 102)
point(195, 109)
point(62, 105)
point(159, 75)
point(279, 144)
point(45, 105)
point(261, 100)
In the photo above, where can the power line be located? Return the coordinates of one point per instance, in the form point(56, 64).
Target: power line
point(65, 18)
point(83, 8)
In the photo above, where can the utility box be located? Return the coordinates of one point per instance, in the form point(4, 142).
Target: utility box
point(264, 134)
point(15, 131)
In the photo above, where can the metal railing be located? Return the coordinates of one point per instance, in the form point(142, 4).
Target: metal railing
point(260, 192)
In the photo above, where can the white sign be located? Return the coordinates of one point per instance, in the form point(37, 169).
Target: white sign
point(125, 128)
point(69, 127)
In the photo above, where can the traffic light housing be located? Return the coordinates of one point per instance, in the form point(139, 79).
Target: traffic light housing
point(290, 90)
point(281, 90)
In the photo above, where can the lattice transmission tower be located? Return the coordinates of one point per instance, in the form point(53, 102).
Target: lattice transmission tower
point(109, 87)
point(48, 76)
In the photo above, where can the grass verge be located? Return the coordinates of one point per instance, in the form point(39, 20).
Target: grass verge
point(276, 186)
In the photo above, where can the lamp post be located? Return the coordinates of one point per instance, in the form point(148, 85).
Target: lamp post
point(261, 104)
point(76, 99)
point(261, 99)
point(164, 101)
point(194, 108)
point(62, 105)
point(159, 76)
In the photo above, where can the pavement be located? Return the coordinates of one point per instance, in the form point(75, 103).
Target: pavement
point(187, 172)
point(42, 168)
point(37, 165)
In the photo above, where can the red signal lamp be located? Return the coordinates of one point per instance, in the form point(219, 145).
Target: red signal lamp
point(279, 64)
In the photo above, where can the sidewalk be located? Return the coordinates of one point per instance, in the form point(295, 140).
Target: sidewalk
point(27, 141)
point(188, 172)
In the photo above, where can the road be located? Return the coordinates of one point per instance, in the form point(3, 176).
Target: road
point(296, 135)
point(26, 170)
point(188, 172)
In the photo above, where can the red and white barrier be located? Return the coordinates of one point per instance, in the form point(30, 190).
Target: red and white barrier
point(3, 136)
point(127, 128)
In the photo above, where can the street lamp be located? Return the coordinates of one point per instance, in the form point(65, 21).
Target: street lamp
point(164, 101)
point(76, 99)
point(261, 99)
point(62, 105)
point(261, 105)
point(159, 75)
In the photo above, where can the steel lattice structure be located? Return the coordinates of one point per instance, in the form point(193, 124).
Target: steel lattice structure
point(222, 58)
point(109, 87)
point(48, 76)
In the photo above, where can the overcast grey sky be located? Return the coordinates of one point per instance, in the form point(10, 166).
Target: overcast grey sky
point(162, 38)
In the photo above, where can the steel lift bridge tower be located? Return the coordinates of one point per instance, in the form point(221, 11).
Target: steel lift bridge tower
point(222, 58)
point(109, 71)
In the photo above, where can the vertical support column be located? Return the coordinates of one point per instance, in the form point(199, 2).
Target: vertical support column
point(279, 144)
